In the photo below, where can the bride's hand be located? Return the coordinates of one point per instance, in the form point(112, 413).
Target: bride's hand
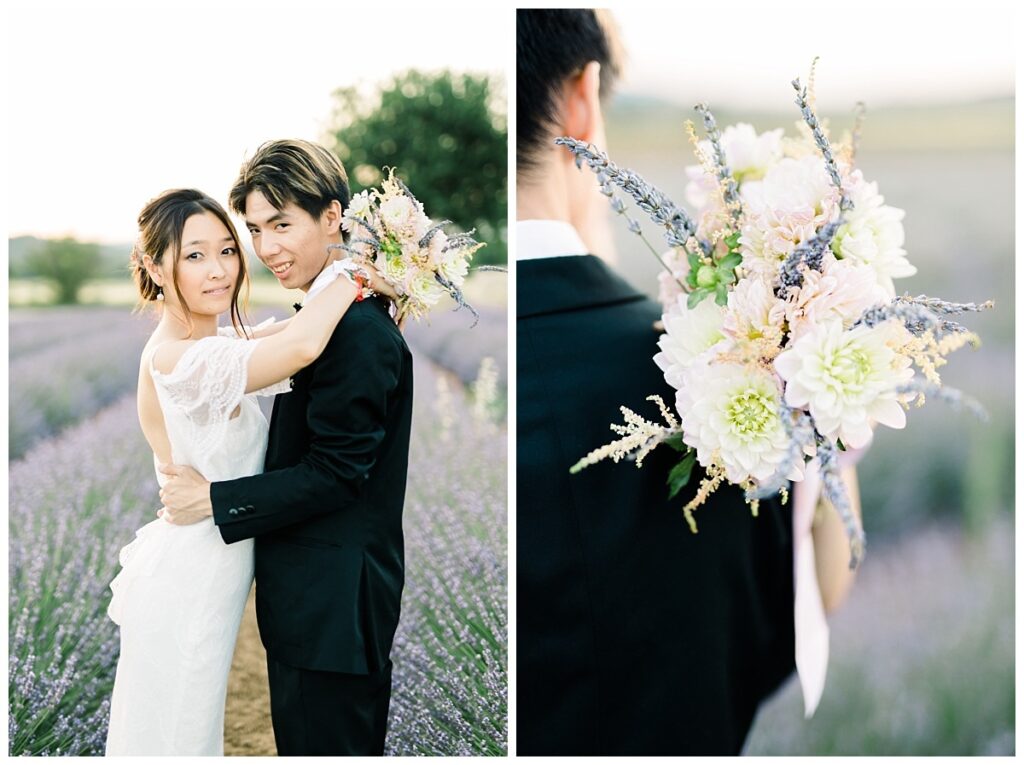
point(379, 285)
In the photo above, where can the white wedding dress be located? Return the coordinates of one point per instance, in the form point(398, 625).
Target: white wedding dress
point(180, 594)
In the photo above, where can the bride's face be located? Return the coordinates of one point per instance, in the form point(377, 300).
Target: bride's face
point(208, 266)
point(289, 241)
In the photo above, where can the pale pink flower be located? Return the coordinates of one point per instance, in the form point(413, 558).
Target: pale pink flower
point(841, 290)
point(754, 312)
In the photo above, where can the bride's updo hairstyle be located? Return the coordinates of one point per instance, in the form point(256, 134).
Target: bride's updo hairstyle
point(161, 223)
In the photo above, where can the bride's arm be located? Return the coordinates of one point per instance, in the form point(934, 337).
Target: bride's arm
point(282, 354)
point(271, 329)
point(300, 343)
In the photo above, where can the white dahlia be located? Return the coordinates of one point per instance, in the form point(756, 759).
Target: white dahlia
point(689, 333)
point(749, 157)
point(872, 233)
point(424, 289)
point(847, 379)
point(731, 415)
point(360, 208)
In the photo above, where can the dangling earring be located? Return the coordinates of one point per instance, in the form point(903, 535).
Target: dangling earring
point(159, 293)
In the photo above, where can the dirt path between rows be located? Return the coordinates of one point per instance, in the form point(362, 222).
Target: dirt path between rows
point(247, 729)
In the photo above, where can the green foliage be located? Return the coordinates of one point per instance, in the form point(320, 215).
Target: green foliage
point(446, 136)
point(679, 476)
point(713, 278)
point(66, 262)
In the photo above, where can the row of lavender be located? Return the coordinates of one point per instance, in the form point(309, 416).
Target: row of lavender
point(77, 497)
point(66, 365)
point(450, 656)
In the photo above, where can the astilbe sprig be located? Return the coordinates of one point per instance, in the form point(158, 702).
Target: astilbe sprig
point(639, 437)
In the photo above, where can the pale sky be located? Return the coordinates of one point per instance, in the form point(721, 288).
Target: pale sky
point(108, 105)
point(740, 54)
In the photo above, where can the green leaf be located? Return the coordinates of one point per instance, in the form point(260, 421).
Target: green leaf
point(676, 442)
point(680, 474)
point(721, 294)
point(694, 260)
point(840, 444)
point(729, 262)
point(693, 300)
point(733, 240)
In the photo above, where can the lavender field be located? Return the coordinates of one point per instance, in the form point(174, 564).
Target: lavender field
point(83, 482)
point(922, 657)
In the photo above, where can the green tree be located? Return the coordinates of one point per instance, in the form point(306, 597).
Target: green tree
point(66, 262)
point(446, 136)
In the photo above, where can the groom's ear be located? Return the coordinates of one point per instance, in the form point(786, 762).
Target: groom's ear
point(331, 217)
point(582, 99)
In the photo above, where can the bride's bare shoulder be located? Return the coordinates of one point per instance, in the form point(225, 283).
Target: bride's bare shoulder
point(164, 356)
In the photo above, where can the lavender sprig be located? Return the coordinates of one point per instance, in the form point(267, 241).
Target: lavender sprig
point(425, 240)
point(799, 433)
point(370, 229)
point(955, 398)
point(917, 315)
point(845, 203)
point(679, 227)
point(731, 191)
point(619, 207)
point(835, 492)
point(812, 252)
point(944, 307)
point(458, 297)
point(462, 239)
point(348, 246)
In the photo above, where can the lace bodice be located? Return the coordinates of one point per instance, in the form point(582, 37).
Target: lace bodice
point(212, 424)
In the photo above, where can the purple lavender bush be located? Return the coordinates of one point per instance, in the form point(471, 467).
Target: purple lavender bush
point(76, 498)
point(450, 656)
point(74, 501)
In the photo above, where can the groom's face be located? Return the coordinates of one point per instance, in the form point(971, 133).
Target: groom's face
point(289, 241)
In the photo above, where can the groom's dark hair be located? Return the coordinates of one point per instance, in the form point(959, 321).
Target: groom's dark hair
point(551, 46)
point(301, 172)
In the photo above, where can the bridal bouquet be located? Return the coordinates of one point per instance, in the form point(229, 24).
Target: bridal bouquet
point(784, 337)
point(389, 229)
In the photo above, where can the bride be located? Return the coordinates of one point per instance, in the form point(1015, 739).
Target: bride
point(180, 594)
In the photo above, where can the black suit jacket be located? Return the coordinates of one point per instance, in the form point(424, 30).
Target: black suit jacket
point(327, 513)
point(634, 635)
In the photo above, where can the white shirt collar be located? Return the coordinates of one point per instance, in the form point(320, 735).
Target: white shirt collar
point(547, 239)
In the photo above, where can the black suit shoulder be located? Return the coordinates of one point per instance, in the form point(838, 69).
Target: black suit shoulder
point(368, 323)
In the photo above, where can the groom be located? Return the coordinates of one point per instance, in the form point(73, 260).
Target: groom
point(634, 636)
point(326, 514)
